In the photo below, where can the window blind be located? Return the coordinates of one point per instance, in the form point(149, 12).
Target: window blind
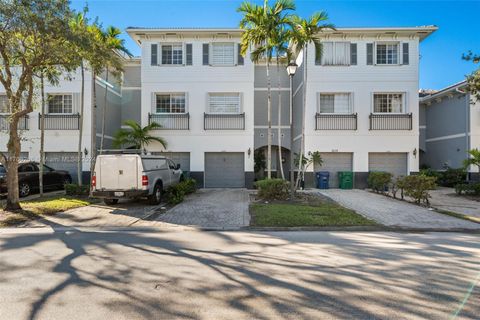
point(224, 103)
point(336, 54)
point(223, 54)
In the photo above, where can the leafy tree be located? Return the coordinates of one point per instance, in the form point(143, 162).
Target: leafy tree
point(473, 80)
point(261, 25)
point(136, 137)
point(305, 32)
point(473, 160)
point(114, 63)
point(34, 35)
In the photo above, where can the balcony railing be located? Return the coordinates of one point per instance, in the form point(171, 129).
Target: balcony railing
point(224, 121)
point(335, 121)
point(60, 121)
point(180, 121)
point(5, 122)
point(390, 121)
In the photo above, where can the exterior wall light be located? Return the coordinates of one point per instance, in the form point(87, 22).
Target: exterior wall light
point(292, 68)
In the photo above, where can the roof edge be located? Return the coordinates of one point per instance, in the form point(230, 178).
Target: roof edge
point(441, 92)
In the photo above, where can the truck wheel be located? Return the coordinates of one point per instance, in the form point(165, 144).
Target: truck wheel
point(110, 202)
point(156, 197)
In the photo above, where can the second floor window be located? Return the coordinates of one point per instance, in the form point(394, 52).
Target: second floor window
point(335, 103)
point(4, 106)
point(223, 54)
point(336, 54)
point(224, 103)
point(388, 103)
point(172, 54)
point(60, 103)
point(387, 53)
point(170, 103)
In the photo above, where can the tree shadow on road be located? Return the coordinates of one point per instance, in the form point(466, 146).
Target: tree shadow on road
point(156, 274)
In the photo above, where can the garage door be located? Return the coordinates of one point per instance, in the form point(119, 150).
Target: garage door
point(183, 158)
point(334, 162)
point(63, 161)
point(224, 170)
point(395, 163)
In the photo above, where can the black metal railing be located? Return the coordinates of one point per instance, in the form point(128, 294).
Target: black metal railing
point(391, 121)
point(335, 121)
point(5, 122)
point(60, 121)
point(180, 121)
point(224, 121)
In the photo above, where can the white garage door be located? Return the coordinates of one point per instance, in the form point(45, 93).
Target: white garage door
point(63, 161)
point(224, 170)
point(183, 158)
point(395, 163)
point(334, 162)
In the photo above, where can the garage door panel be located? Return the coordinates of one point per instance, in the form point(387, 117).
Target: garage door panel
point(393, 162)
point(224, 170)
point(334, 162)
point(63, 161)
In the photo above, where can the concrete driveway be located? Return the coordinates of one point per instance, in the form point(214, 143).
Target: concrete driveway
point(395, 213)
point(212, 209)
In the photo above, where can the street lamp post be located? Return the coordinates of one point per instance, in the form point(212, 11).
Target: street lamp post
point(291, 69)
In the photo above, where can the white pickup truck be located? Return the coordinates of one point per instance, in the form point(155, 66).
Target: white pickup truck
point(129, 176)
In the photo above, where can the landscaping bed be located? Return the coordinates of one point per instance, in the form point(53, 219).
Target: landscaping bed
point(304, 211)
point(34, 209)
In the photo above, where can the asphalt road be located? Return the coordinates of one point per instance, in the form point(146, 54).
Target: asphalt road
point(154, 274)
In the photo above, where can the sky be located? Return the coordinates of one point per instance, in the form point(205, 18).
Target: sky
point(440, 65)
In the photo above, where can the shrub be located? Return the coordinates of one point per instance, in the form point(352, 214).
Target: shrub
point(73, 189)
point(468, 188)
point(429, 172)
point(451, 177)
point(379, 181)
point(273, 189)
point(417, 187)
point(175, 194)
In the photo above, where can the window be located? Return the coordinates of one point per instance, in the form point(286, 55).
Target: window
point(172, 54)
point(387, 53)
point(335, 103)
point(170, 103)
point(4, 105)
point(336, 54)
point(388, 103)
point(223, 54)
point(224, 103)
point(189, 54)
point(60, 103)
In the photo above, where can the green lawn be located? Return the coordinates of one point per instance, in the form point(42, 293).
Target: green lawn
point(41, 207)
point(302, 215)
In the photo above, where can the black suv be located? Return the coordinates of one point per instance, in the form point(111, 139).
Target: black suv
point(28, 174)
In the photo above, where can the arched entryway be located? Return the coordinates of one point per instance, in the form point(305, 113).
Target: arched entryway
point(260, 159)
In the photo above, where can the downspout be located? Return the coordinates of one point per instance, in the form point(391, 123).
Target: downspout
point(467, 124)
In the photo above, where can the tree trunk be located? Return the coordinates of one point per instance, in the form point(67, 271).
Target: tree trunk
point(269, 120)
point(104, 113)
point(42, 135)
point(302, 140)
point(279, 121)
point(93, 150)
point(13, 147)
point(80, 131)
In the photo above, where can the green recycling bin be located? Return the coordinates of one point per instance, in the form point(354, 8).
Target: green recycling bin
point(345, 179)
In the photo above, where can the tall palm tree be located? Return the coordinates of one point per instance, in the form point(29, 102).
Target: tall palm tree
point(261, 24)
point(114, 43)
point(304, 32)
point(137, 137)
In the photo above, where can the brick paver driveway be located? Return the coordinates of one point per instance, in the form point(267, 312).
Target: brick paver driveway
point(211, 208)
point(394, 213)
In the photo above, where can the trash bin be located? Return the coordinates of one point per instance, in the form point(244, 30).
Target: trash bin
point(322, 179)
point(345, 179)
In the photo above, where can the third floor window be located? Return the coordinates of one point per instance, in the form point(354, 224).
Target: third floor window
point(172, 54)
point(223, 54)
point(387, 53)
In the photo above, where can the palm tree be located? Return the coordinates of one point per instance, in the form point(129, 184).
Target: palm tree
point(474, 159)
point(136, 137)
point(114, 43)
point(261, 24)
point(304, 32)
